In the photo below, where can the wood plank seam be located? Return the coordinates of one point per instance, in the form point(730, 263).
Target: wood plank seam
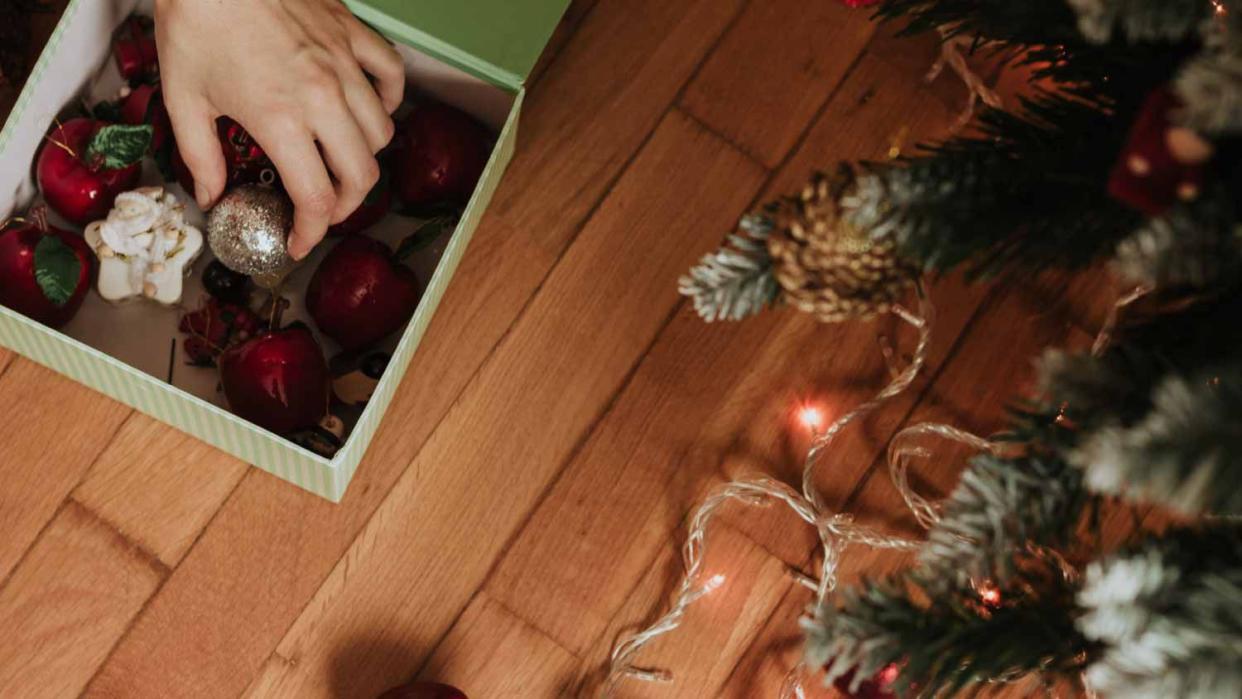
point(771, 177)
point(138, 551)
point(829, 96)
point(9, 358)
point(64, 503)
point(587, 217)
point(566, 462)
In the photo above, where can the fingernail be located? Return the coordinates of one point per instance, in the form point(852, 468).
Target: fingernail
point(202, 195)
point(296, 251)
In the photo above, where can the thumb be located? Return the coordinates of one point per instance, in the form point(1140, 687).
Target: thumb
point(194, 126)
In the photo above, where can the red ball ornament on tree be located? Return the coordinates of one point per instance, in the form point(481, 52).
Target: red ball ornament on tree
point(1161, 163)
point(424, 690)
point(45, 272)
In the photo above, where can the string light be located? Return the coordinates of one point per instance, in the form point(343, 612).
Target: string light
point(811, 417)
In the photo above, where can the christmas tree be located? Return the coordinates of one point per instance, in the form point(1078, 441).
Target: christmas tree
point(1126, 148)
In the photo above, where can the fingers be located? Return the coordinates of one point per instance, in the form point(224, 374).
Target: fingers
point(368, 110)
point(381, 61)
point(348, 155)
point(194, 126)
point(293, 152)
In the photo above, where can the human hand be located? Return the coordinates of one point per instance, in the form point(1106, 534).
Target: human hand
point(294, 73)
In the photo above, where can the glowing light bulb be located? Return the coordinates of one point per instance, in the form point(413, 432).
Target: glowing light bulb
point(811, 417)
point(990, 594)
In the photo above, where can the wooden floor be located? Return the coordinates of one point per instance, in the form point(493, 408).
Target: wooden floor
point(524, 501)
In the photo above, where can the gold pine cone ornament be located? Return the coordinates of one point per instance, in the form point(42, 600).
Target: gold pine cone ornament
point(824, 264)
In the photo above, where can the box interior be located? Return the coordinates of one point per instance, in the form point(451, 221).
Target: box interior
point(140, 333)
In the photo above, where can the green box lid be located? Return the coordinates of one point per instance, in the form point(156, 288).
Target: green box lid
point(497, 40)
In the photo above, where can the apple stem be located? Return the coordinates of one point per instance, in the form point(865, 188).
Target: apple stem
point(61, 144)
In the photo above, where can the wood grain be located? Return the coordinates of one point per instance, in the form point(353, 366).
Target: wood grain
point(523, 501)
point(774, 70)
point(516, 660)
point(52, 436)
point(583, 327)
point(707, 403)
point(576, 137)
point(63, 610)
point(159, 486)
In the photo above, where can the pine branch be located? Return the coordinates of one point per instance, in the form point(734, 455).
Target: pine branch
point(1194, 246)
point(1186, 453)
point(950, 642)
point(1000, 509)
point(1030, 193)
point(1140, 20)
point(1211, 84)
point(1170, 614)
point(1009, 21)
point(1116, 389)
point(735, 281)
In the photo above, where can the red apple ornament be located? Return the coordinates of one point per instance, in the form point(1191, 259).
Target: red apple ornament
point(45, 272)
point(85, 164)
point(277, 380)
point(440, 155)
point(423, 690)
point(135, 50)
point(361, 293)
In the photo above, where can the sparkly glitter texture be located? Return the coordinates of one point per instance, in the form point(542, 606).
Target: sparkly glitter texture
point(249, 228)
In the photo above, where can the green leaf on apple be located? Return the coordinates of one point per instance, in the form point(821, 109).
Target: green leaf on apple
point(118, 146)
point(57, 269)
point(426, 234)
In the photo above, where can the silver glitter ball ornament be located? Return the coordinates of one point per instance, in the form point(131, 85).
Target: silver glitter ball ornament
point(248, 230)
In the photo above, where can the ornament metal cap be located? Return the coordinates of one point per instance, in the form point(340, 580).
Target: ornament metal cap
point(248, 230)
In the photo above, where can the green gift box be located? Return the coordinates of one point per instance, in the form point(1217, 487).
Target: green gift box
point(473, 54)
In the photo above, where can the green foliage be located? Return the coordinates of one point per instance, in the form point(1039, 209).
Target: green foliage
point(1169, 614)
point(950, 642)
point(1186, 453)
point(118, 146)
point(57, 269)
point(1194, 246)
point(1000, 509)
point(1029, 192)
point(1211, 84)
point(735, 281)
point(1140, 20)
